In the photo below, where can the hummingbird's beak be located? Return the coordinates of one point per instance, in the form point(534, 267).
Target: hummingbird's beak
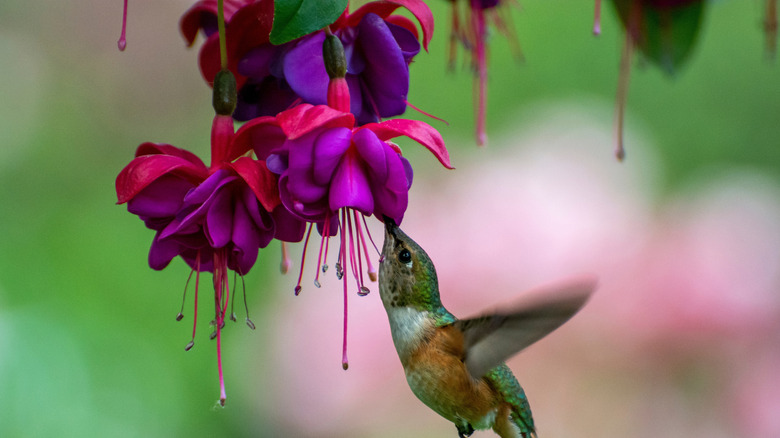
point(390, 226)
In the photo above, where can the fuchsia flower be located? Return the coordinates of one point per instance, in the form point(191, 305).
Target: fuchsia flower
point(325, 163)
point(379, 47)
point(330, 170)
point(216, 218)
point(198, 210)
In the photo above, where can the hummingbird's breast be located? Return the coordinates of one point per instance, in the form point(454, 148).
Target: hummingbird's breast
point(437, 375)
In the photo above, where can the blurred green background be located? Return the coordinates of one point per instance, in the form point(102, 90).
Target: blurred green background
point(88, 341)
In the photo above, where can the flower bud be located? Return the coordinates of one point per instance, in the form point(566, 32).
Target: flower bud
point(334, 57)
point(225, 93)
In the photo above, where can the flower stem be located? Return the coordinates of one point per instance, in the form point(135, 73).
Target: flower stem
point(222, 42)
point(478, 24)
point(623, 79)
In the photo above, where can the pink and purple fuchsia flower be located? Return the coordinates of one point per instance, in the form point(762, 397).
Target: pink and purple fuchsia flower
point(215, 218)
point(378, 45)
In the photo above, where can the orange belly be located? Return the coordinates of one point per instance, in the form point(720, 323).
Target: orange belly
point(438, 377)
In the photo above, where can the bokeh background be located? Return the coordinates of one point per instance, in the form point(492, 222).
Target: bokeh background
point(682, 338)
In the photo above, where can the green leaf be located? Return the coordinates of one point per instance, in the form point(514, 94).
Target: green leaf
point(665, 34)
point(296, 18)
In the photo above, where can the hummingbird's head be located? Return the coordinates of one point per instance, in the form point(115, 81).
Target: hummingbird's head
point(407, 276)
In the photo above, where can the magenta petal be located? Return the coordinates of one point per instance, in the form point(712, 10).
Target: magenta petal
point(309, 211)
point(350, 187)
point(396, 172)
point(161, 198)
point(288, 228)
point(197, 204)
point(372, 150)
point(162, 252)
point(261, 219)
point(245, 238)
point(300, 180)
point(304, 69)
point(329, 147)
point(218, 226)
point(386, 74)
point(392, 197)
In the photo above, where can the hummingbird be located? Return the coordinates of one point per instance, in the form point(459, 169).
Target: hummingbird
point(456, 366)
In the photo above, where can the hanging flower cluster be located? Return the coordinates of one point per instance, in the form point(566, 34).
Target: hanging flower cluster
point(314, 152)
point(664, 32)
point(473, 36)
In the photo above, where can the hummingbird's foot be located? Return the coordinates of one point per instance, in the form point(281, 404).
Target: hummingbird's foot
point(464, 431)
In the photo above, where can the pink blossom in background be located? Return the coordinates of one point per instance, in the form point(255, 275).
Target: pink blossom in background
point(687, 297)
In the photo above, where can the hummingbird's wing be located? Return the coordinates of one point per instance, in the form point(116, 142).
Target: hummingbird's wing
point(489, 340)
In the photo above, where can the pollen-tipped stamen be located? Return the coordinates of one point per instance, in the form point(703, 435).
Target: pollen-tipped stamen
point(232, 302)
point(303, 260)
point(184, 297)
point(122, 42)
point(354, 255)
point(195, 311)
point(323, 245)
point(249, 322)
point(372, 273)
point(597, 18)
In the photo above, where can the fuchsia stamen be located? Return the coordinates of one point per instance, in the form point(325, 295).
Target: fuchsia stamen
point(323, 245)
point(372, 273)
point(195, 310)
point(303, 260)
point(597, 18)
point(122, 42)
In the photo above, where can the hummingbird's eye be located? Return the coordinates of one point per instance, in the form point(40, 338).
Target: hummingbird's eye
point(405, 256)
